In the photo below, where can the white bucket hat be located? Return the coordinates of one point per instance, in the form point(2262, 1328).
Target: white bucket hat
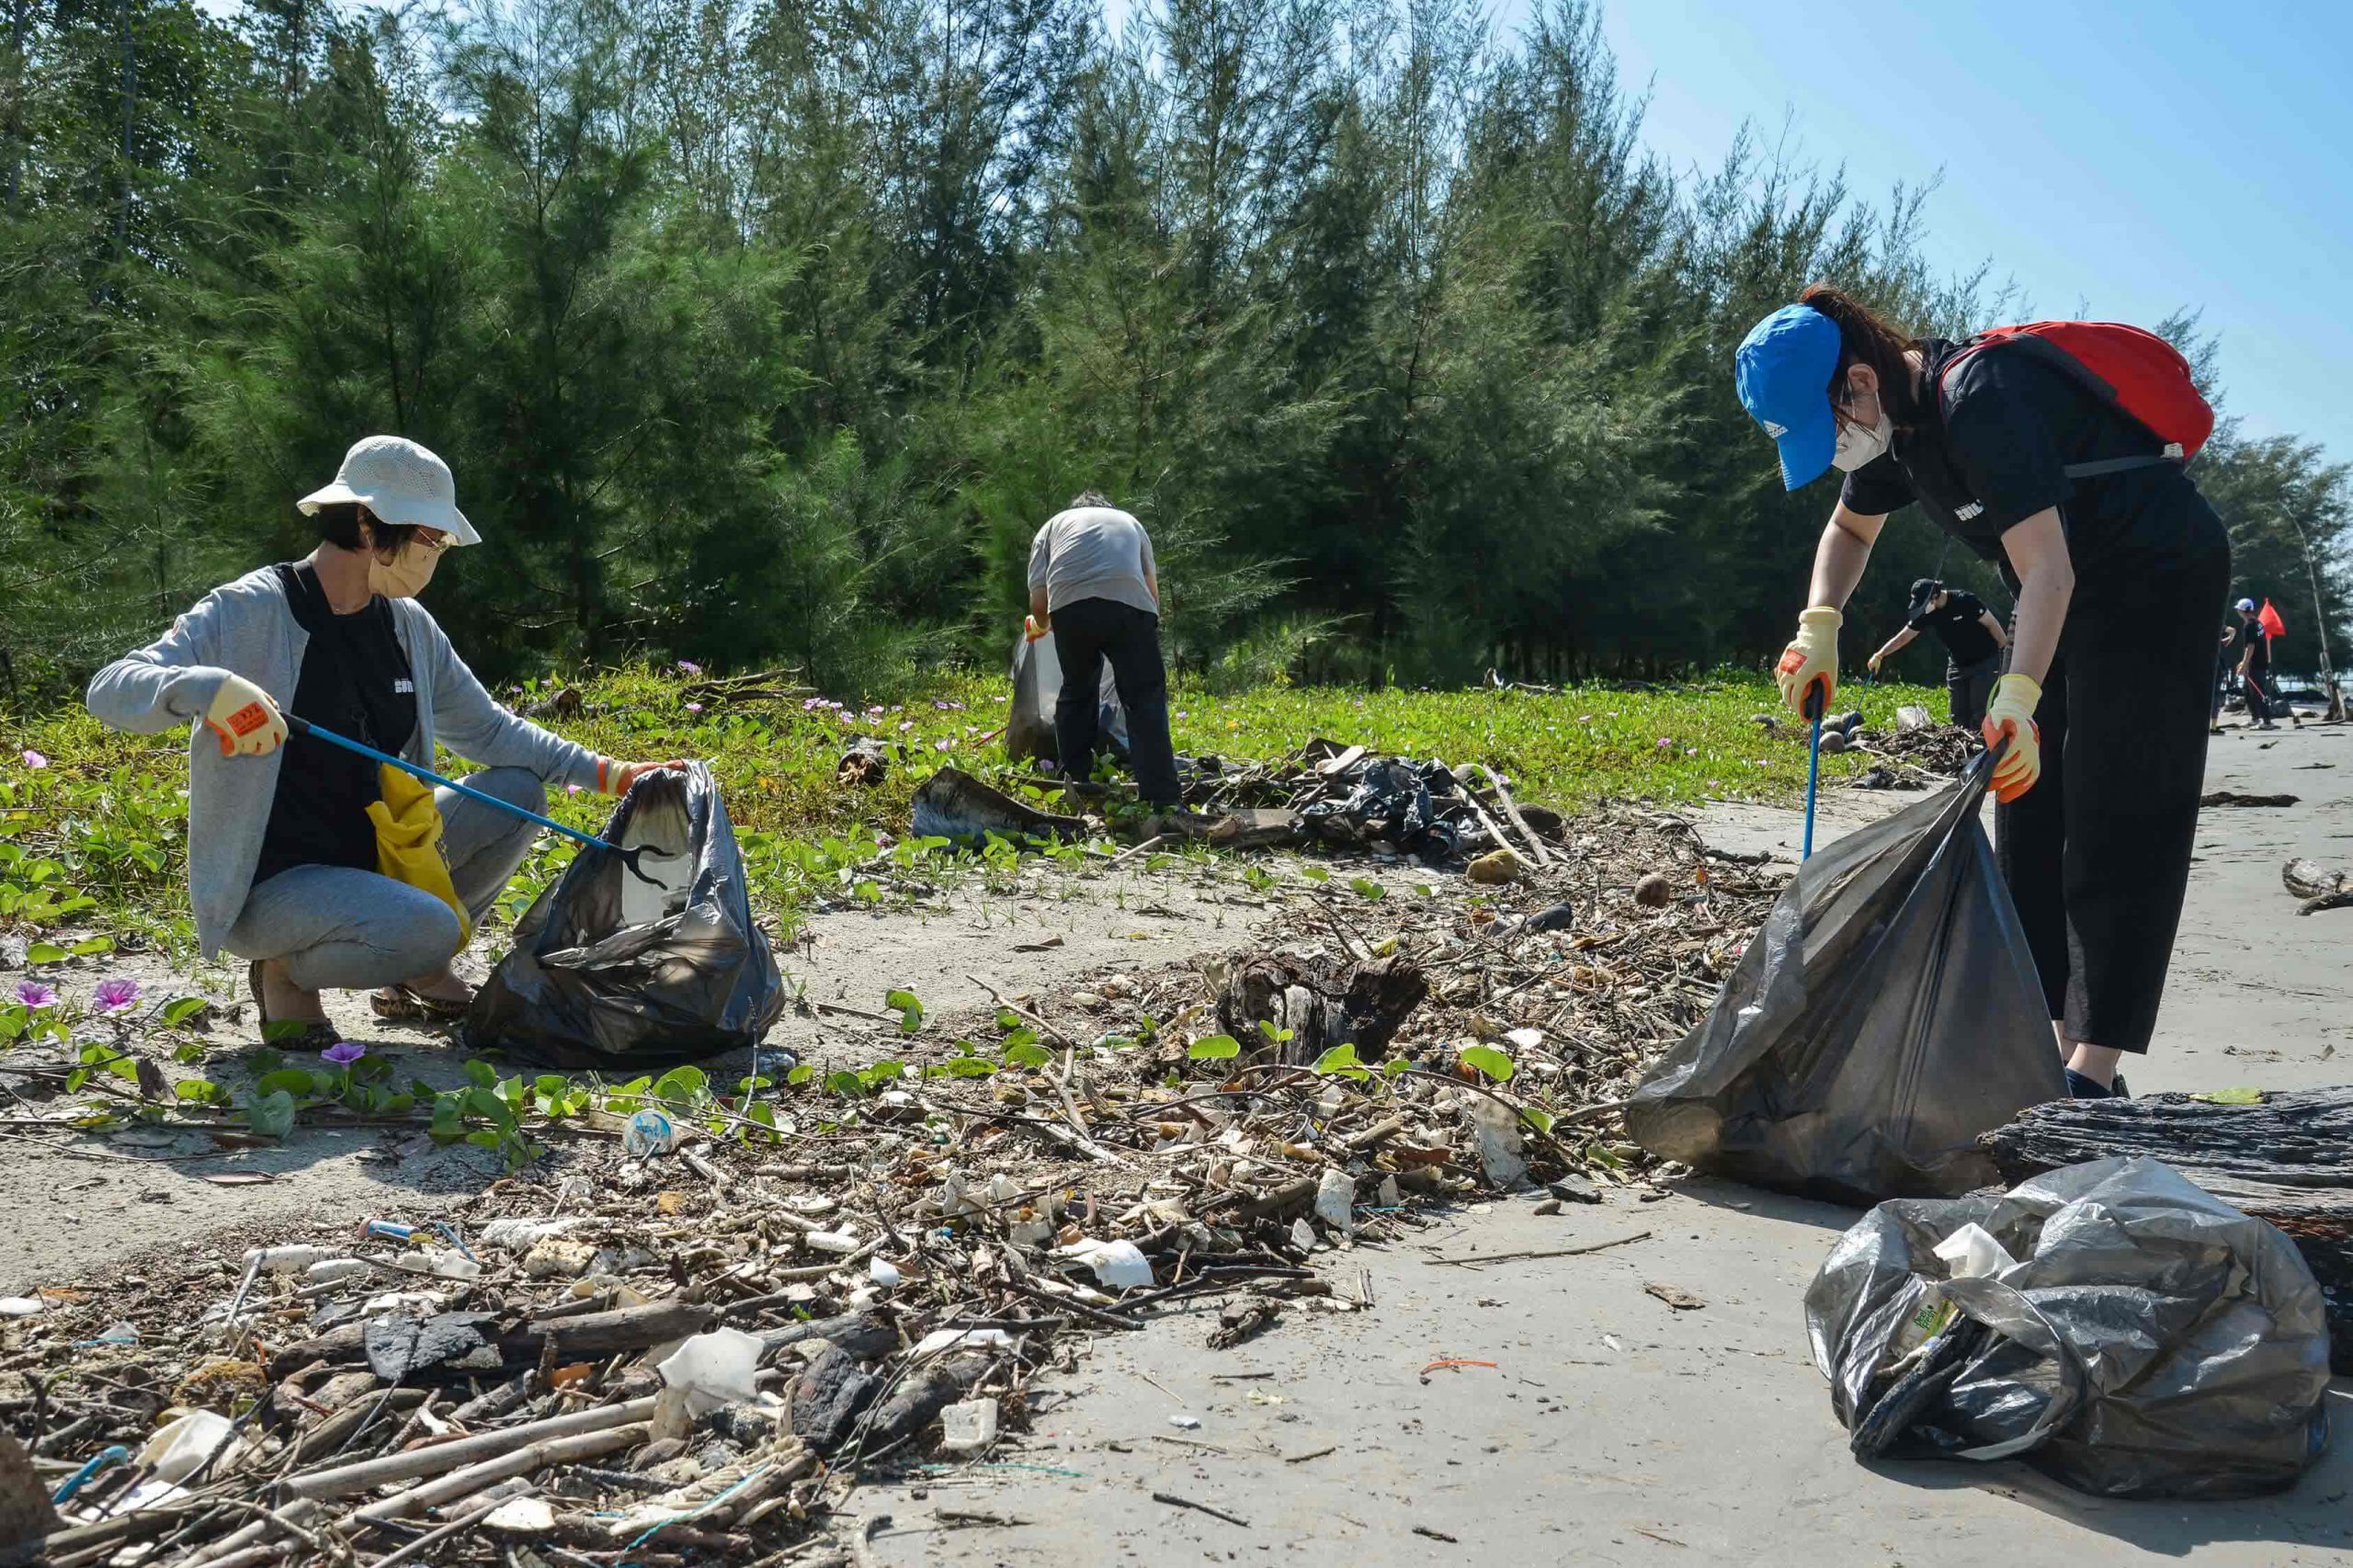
point(399, 481)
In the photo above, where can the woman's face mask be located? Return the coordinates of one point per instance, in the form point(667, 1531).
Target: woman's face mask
point(404, 576)
point(1859, 443)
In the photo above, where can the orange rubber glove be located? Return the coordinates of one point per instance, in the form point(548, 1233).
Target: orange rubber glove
point(2010, 716)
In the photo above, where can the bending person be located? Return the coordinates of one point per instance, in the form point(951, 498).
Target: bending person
point(1093, 582)
point(2117, 574)
point(1974, 642)
point(282, 850)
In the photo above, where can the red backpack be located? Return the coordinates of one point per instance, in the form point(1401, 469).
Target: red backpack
point(2135, 372)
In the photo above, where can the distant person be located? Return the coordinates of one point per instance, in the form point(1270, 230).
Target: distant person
point(1993, 437)
point(281, 849)
point(1094, 585)
point(1974, 642)
point(2254, 666)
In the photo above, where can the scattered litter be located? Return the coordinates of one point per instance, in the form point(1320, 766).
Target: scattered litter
point(716, 1369)
point(1185, 1423)
point(1452, 1362)
point(968, 1427)
point(2234, 798)
point(1117, 1265)
point(1674, 1296)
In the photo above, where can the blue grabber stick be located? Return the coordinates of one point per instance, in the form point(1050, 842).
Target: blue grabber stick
point(303, 726)
point(1814, 704)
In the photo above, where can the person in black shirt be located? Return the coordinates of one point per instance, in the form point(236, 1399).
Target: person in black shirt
point(1974, 642)
point(2117, 575)
point(2254, 666)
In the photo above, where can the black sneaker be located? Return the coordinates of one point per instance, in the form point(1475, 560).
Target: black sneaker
point(2080, 1088)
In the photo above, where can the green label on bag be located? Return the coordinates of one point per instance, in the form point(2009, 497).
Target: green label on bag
point(1926, 1323)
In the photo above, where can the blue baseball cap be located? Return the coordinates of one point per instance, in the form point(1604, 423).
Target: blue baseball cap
point(1783, 373)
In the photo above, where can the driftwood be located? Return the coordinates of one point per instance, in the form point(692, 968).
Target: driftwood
point(1321, 1002)
point(2288, 1159)
point(2319, 887)
point(437, 1459)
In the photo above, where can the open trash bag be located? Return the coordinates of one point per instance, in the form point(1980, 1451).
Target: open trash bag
point(1886, 1015)
point(2110, 1323)
point(606, 967)
point(1037, 685)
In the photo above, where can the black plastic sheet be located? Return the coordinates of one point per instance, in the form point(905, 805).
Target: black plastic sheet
point(606, 967)
point(2147, 1339)
point(1886, 1015)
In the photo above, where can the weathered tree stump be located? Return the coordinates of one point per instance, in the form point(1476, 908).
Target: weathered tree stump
point(2288, 1160)
point(1322, 1001)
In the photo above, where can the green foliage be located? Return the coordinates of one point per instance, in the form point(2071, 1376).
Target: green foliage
point(1489, 1062)
point(771, 335)
point(1215, 1047)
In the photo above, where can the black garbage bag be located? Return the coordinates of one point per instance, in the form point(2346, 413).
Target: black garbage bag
point(1886, 1015)
point(1402, 802)
point(2133, 1337)
point(1037, 687)
point(606, 967)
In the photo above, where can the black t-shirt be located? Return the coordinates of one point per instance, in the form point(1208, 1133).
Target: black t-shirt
point(356, 681)
point(2254, 646)
point(1993, 450)
point(1957, 626)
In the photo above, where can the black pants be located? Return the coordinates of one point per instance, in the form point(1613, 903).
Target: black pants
point(2097, 853)
point(2257, 683)
point(1968, 687)
point(1086, 633)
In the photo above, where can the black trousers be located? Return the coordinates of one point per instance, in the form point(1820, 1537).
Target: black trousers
point(2257, 683)
point(2097, 853)
point(1969, 687)
point(1086, 633)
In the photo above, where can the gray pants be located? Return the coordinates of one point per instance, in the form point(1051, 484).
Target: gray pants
point(340, 929)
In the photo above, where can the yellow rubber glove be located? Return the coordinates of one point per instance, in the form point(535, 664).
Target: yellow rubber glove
point(246, 720)
point(2010, 716)
point(1811, 661)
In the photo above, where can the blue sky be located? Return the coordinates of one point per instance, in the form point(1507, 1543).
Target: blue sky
point(2125, 160)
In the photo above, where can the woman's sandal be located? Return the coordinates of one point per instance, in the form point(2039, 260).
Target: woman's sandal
point(398, 1004)
point(287, 1034)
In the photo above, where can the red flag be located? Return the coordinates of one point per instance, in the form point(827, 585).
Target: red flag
point(2270, 618)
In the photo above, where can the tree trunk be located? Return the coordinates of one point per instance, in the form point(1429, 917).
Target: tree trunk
point(130, 119)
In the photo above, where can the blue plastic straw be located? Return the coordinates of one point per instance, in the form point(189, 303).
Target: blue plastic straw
point(1813, 769)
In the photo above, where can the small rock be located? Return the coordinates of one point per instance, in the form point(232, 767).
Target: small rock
point(1573, 1189)
point(1089, 1000)
point(1654, 891)
point(1832, 740)
point(1549, 1206)
point(1495, 867)
point(660, 1451)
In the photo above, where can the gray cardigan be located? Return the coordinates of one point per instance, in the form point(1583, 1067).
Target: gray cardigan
point(247, 626)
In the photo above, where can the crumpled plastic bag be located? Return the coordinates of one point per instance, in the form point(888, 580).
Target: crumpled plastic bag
point(2149, 1341)
point(1887, 1015)
point(608, 967)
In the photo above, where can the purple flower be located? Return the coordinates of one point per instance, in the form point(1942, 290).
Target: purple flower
point(34, 759)
point(572, 788)
point(809, 704)
point(694, 707)
point(946, 744)
point(34, 994)
point(690, 666)
point(1667, 743)
point(905, 724)
point(114, 995)
point(344, 1052)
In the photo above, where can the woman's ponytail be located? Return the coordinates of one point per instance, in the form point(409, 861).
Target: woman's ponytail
point(1866, 339)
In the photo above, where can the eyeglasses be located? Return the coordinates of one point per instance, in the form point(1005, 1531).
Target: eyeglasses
point(433, 539)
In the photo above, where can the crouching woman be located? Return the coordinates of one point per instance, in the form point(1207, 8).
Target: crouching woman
point(283, 847)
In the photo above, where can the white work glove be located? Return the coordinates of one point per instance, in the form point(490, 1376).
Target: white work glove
point(245, 718)
point(2010, 716)
point(1811, 661)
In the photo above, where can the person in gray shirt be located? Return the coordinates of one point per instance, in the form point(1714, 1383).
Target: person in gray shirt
point(1093, 583)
